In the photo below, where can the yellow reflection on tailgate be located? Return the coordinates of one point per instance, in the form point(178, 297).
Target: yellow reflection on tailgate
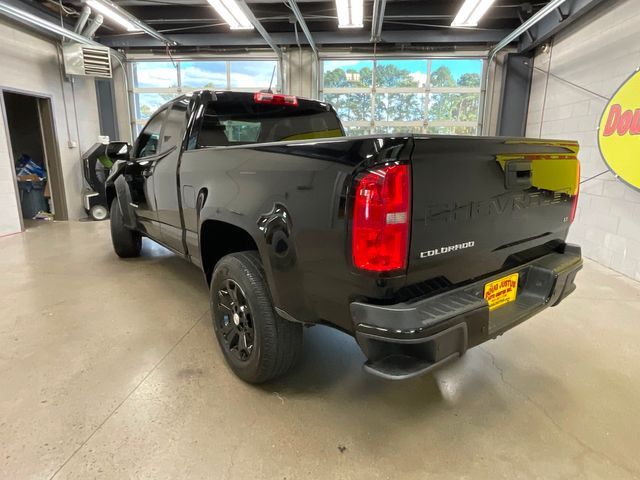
point(501, 291)
point(557, 172)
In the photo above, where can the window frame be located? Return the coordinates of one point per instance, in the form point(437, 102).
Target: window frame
point(427, 90)
point(137, 123)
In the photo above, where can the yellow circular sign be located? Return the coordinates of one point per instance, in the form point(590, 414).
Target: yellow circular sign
point(619, 134)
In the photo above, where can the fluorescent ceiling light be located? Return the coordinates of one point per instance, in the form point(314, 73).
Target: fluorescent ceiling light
point(350, 13)
point(231, 13)
point(471, 12)
point(111, 13)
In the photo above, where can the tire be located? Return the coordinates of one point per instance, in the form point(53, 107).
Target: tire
point(275, 343)
point(126, 243)
point(99, 213)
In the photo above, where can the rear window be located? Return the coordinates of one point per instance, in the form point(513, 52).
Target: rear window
point(238, 122)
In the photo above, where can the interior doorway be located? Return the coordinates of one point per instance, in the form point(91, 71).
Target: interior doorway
point(35, 157)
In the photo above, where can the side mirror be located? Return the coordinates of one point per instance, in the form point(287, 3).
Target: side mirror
point(118, 151)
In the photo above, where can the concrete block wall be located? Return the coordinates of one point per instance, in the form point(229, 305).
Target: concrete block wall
point(29, 63)
point(598, 53)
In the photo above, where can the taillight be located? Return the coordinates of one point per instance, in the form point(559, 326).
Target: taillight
point(276, 99)
point(574, 204)
point(381, 219)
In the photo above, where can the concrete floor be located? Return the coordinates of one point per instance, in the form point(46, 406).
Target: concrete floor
point(109, 369)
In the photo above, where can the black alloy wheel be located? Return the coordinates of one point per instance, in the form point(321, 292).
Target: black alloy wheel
point(235, 320)
point(257, 344)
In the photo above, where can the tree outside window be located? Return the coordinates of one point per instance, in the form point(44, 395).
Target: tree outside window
point(369, 98)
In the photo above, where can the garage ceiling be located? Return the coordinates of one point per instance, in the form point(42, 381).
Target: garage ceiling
point(407, 24)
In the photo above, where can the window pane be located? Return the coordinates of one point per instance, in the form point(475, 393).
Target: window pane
point(149, 139)
point(347, 73)
point(173, 125)
point(465, 130)
point(400, 130)
point(401, 73)
point(351, 106)
point(147, 103)
point(237, 131)
point(155, 75)
point(355, 131)
point(229, 121)
point(254, 74)
point(440, 130)
point(204, 75)
point(456, 73)
point(405, 107)
point(460, 107)
point(452, 130)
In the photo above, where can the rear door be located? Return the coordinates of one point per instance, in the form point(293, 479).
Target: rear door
point(166, 176)
point(482, 203)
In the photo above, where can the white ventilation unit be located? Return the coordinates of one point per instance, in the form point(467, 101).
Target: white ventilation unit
point(86, 60)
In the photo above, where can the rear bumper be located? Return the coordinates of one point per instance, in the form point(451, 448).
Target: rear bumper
point(409, 339)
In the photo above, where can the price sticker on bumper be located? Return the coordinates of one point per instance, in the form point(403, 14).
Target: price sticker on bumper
point(501, 291)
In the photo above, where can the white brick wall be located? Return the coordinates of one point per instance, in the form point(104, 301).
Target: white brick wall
point(598, 53)
point(29, 63)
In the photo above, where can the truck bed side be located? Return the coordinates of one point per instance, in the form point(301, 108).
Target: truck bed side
point(293, 198)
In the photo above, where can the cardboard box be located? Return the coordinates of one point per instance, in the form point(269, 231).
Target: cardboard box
point(28, 178)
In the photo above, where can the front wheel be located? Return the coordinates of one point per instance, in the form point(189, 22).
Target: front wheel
point(126, 243)
point(257, 344)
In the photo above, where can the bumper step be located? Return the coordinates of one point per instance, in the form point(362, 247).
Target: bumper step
point(403, 367)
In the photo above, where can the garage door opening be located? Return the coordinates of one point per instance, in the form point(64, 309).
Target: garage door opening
point(35, 158)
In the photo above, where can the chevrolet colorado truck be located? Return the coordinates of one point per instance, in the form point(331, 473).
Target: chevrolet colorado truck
point(419, 246)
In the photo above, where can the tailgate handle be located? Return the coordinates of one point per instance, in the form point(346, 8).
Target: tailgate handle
point(517, 174)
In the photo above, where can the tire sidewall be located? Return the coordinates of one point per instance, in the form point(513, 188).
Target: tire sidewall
point(126, 243)
point(232, 268)
point(116, 218)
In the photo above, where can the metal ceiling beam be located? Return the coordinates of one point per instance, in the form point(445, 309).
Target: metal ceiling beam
point(29, 19)
point(245, 39)
point(303, 25)
point(138, 23)
point(552, 24)
point(404, 10)
point(258, 26)
point(530, 22)
point(377, 19)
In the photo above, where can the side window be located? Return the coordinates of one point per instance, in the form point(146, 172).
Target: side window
point(175, 124)
point(149, 138)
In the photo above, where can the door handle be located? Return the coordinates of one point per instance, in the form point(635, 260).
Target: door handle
point(517, 174)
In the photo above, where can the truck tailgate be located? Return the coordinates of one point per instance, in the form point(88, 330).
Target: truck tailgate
point(480, 204)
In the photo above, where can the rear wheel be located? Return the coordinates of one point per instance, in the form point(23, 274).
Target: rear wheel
point(126, 243)
point(257, 344)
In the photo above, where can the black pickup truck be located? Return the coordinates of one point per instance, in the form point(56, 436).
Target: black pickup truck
point(419, 246)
